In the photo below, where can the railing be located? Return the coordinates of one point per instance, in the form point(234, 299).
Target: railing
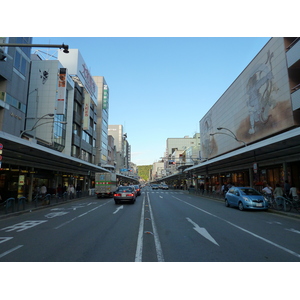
point(13, 205)
point(206, 193)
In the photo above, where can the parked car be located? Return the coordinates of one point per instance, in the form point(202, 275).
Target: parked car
point(154, 186)
point(245, 198)
point(138, 190)
point(125, 193)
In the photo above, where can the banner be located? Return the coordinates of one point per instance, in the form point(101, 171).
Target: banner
point(61, 100)
point(86, 111)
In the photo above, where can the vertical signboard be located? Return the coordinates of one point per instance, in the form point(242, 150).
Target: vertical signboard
point(61, 99)
point(1, 147)
point(105, 97)
point(86, 111)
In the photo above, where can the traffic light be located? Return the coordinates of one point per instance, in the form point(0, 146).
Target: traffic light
point(2, 54)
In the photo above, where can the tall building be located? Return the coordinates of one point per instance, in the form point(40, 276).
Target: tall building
point(123, 150)
point(82, 127)
point(180, 144)
point(48, 122)
point(102, 158)
point(47, 109)
point(14, 72)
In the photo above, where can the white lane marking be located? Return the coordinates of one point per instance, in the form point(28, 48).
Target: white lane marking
point(10, 251)
point(245, 230)
point(203, 232)
point(56, 214)
point(293, 230)
point(159, 253)
point(139, 246)
point(65, 223)
point(160, 197)
point(120, 207)
point(5, 239)
point(23, 226)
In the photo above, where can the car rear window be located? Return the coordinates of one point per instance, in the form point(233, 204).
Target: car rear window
point(125, 189)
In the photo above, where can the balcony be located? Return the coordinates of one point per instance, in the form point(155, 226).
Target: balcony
point(296, 99)
point(293, 54)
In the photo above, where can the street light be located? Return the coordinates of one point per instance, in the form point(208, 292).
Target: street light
point(65, 47)
point(4, 55)
point(232, 134)
point(34, 127)
point(35, 124)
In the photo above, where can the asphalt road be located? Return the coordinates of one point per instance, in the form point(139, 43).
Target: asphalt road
point(162, 226)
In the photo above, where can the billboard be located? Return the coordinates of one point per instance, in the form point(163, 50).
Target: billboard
point(62, 88)
point(255, 106)
point(78, 69)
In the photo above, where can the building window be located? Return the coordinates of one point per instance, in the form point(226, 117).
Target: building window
point(20, 63)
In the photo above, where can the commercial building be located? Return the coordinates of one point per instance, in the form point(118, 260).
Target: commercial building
point(48, 113)
point(102, 158)
point(123, 149)
point(14, 71)
point(251, 134)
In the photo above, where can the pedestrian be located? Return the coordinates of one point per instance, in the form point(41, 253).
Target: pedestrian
point(267, 190)
point(71, 191)
point(293, 192)
point(202, 188)
point(78, 190)
point(59, 191)
point(43, 190)
point(286, 188)
point(278, 191)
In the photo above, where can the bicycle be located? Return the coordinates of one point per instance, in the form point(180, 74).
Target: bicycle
point(292, 203)
point(272, 203)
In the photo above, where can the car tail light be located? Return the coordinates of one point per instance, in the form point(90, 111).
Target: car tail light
point(117, 195)
point(129, 195)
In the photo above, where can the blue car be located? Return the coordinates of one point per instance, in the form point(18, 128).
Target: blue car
point(245, 198)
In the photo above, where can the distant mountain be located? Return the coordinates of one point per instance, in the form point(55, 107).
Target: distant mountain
point(144, 172)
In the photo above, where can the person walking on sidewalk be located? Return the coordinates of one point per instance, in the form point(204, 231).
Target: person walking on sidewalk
point(71, 191)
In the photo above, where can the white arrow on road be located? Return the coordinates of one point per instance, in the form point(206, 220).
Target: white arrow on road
point(121, 207)
point(203, 232)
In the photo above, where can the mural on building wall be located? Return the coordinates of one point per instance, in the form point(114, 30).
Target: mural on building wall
point(260, 88)
point(208, 144)
point(255, 106)
point(44, 75)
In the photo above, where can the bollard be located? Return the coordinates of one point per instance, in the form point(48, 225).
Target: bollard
point(21, 200)
point(10, 202)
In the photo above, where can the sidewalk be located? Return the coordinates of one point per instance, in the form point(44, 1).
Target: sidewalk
point(16, 207)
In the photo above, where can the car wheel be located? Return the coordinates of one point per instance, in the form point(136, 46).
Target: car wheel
point(226, 203)
point(117, 202)
point(241, 206)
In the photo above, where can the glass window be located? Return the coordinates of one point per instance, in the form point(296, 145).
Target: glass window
point(17, 60)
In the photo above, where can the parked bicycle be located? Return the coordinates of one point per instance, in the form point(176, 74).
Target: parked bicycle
point(274, 203)
point(292, 203)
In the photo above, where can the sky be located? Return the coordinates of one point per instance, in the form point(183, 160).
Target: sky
point(161, 87)
point(165, 63)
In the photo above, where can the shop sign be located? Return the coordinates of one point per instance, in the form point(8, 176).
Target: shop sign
point(255, 168)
